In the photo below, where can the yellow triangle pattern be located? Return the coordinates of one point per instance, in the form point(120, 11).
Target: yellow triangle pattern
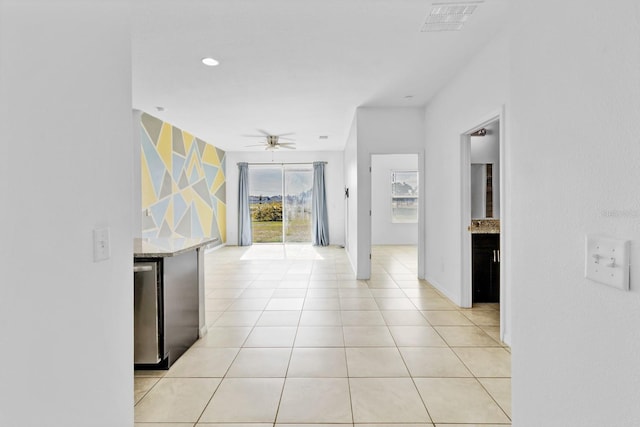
point(205, 216)
point(210, 156)
point(217, 182)
point(222, 220)
point(169, 215)
point(148, 193)
point(188, 141)
point(194, 163)
point(189, 195)
point(165, 146)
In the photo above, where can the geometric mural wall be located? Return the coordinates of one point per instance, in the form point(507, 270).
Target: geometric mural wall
point(183, 183)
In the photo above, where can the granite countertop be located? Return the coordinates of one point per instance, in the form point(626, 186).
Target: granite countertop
point(167, 247)
point(484, 226)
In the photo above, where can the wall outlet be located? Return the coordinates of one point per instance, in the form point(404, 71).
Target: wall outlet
point(101, 246)
point(607, 261)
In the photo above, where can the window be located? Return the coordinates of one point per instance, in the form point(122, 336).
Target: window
point(404, 196)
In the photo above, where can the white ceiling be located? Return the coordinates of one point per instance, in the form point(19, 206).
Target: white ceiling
point(299, 66)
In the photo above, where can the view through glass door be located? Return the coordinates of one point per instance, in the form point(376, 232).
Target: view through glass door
point(280, 202)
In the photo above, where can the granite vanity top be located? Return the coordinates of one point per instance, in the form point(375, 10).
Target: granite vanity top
point(167, 247)
point(484, 226)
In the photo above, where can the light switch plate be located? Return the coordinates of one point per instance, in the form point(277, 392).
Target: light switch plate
point(101, 246)
point(607, 261)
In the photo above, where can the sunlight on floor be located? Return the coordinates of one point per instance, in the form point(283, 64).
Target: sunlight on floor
point(283, 252)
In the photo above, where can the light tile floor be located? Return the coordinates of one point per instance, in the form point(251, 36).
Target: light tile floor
point(295, 339)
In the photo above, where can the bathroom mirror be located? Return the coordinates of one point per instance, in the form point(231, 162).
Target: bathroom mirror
point(483, 191)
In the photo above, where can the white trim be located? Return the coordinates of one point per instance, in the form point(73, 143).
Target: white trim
point(466, 296)
point(422, 226)
point(214, 248)
point(421, 215)
point(203, 331)
point(443, 290)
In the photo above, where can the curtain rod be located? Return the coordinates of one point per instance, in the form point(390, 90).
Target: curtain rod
point(280, 163)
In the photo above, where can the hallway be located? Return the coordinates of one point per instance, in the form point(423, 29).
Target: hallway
point(295, 339)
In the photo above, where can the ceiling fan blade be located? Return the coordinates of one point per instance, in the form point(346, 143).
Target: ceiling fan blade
point(287, 147)
point(284, 144)
point(286, 134)
point(253, 136)
point(263, 132)
point(285, 139)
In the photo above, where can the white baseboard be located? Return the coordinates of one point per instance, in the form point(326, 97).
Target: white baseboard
point(507, 339)
point(203, 331)
point(443, 291)
point(215, 248)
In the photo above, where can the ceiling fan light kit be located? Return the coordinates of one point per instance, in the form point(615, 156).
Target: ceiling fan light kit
point(273, 141)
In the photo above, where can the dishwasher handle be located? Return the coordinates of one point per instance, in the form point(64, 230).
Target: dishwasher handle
point(142, 268)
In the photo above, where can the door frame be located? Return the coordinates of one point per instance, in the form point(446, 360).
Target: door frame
point(466, 294)
point(284, 167)
point(421, 208)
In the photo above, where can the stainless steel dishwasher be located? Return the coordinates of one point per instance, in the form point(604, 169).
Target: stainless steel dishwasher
point(145, 313)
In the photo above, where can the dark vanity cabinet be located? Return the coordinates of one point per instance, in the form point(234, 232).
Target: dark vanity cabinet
point(485, 258)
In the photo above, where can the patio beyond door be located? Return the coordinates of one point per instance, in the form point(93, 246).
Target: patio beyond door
point(280, 202)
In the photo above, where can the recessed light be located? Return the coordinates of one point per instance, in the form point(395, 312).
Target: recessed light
point(160, 108)
point(408, 96)
point(210, 62)
point(323, 137)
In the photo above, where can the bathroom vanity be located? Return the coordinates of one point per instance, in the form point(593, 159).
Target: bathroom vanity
point(485, 260)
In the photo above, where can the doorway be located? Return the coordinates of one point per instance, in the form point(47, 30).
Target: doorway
point(395, 213)
point(483, 215)
point(280, 203)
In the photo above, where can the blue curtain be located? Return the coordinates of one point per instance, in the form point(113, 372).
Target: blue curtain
point(319, 218)
point(244, 213)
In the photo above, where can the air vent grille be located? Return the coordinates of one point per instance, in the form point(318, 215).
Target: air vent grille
point(448, 16)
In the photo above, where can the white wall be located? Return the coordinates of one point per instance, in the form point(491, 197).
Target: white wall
point(383, 131)
point(478, 91)
point(576, 144)
point(65, 321)
point(383, 230)
point(334, 185)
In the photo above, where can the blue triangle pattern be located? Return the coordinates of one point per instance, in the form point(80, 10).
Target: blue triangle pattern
point(214, 202)
point(178, 165)
point(194, 176)
point(156, 167)
point(179, 208)
point(210, 173)
point(159, 210)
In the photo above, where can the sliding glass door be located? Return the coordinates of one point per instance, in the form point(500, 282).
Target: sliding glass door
point(280, 202)
point(298, 184)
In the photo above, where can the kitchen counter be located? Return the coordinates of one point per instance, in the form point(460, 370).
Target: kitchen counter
point(169, 309)
point(484, 226)
point(167, 247)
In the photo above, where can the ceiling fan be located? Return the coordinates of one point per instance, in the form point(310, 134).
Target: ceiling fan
point(273, 142)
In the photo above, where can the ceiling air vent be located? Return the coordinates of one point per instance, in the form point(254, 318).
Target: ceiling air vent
point(449, 16)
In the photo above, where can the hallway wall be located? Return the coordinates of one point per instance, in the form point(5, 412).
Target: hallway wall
point(381, 131)
point(575, 144)
point(65, 115)
point(478, 91)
